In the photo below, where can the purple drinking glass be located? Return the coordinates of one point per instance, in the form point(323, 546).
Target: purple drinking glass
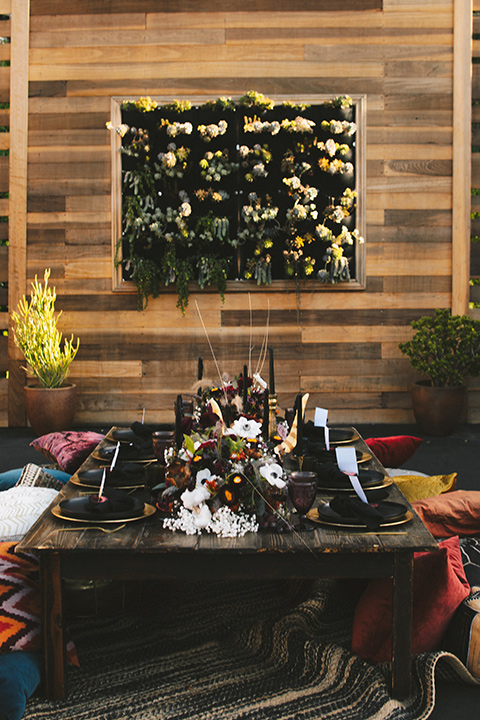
point(302, 489)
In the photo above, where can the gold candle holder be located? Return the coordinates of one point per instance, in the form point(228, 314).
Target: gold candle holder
point(272, 415)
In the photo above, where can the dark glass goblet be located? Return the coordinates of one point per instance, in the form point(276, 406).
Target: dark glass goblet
point(302, 488)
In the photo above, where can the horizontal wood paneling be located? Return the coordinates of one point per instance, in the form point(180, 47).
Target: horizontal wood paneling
point(76, 7)
point(340, 346)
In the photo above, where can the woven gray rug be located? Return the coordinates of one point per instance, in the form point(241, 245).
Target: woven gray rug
point(231, 651)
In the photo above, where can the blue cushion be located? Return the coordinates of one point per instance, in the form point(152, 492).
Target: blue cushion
point(19, 678)
point(9, 478)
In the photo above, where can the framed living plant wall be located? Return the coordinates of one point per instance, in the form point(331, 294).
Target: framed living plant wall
point(233, 191)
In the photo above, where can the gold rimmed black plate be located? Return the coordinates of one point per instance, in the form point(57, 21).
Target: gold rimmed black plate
point(380, 486)
point(119, 486)
point(148, 510)
point(369, 480)
point(106, 454)
point(396, 514)
point(338, 436)
point(123, 435)
point(364, 457)
point(313, 516)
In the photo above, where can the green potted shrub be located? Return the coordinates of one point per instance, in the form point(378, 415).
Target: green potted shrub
point(50, 402)
point(445, 348)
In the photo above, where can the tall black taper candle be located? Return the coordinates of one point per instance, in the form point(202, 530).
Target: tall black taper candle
point(200, 369)
point(272, 373)
point(266, 414)
point(245, 388)
point(178, 422)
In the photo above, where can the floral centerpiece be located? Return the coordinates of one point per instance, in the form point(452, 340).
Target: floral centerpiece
point(224, 476)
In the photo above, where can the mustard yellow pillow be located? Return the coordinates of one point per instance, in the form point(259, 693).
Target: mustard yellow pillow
point(416, 487)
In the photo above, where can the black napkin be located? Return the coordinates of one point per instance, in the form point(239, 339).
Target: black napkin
point(142, 430)
point(124, 473)
point(329, 475)
point(142, 437)
point(353, 507)
point(128, 451)
point(117, 501)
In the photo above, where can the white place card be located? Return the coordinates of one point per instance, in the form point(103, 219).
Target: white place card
point(320, 420)
point(347, 463)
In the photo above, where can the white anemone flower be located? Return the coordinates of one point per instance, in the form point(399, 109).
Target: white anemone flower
point(273, 474)
point(203, 476)
point(242, 427)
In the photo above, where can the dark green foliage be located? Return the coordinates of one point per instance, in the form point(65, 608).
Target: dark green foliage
point(445, 347)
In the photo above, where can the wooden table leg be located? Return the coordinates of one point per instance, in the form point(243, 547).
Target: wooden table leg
point(402, 626)
point(52, 626)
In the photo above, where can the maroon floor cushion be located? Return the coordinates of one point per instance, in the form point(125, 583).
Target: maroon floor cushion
point(439, 588)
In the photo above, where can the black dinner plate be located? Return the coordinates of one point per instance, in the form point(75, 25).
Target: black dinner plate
point(126, 452)
point(122, 435)
point(391, 512)
point(129, 474)
point(368, 478)
point(79, 508)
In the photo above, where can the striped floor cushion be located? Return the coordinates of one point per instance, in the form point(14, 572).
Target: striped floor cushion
point(20, 507)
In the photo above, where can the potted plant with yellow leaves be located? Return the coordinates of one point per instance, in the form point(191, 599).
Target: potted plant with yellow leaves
point(51, 401)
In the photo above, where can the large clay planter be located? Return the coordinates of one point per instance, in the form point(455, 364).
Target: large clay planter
point(50, 409)
point(437, 410)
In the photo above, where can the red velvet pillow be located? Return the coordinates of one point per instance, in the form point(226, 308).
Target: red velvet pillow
point(439, 587)
point(395, 450)
point(454, 513)
point(68, 448)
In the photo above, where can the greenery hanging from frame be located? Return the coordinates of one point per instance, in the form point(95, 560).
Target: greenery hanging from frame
point(236, 189)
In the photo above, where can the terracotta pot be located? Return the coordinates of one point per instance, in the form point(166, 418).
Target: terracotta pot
point(50, 409)
point(438, 410)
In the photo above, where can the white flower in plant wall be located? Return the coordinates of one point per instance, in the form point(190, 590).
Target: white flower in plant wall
point(330, 147)
point(185, 209)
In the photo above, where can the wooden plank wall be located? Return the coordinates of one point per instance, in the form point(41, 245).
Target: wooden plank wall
point(342, 347)
point(5, 8)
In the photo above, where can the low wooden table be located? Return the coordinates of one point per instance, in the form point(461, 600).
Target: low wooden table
point(143, 549)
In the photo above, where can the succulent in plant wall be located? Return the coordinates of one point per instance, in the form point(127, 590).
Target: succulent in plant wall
point(235, 189)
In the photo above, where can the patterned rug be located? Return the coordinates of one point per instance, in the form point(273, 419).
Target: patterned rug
point(231, 651)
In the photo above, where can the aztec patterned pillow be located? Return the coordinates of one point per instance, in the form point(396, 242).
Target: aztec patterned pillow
point(19, 600)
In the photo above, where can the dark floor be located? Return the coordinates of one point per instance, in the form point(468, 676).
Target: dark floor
point(458, 453)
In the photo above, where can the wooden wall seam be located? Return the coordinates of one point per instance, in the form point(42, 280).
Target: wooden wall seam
point(17, 208)
point(462, 151)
